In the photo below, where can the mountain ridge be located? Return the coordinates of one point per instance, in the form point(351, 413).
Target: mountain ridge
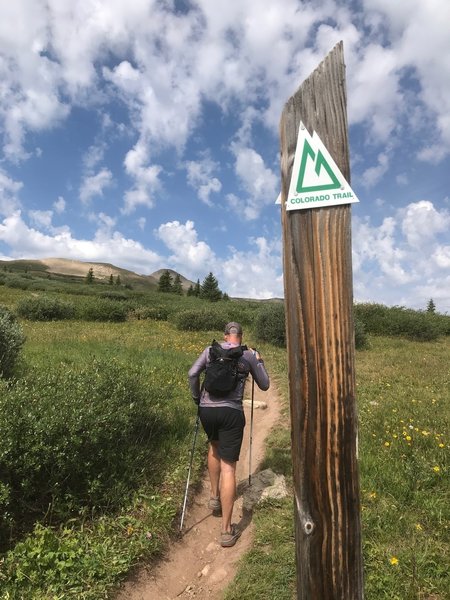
point(80, 268)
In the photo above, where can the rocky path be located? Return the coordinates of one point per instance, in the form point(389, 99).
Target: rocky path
point(196, 566)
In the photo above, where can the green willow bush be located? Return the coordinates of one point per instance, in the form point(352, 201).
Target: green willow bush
point(201, 320)
point(101, 309)
point(270, 324)
point(73, 438)
point(11, 342)
point(45, 308)
point(402, 322)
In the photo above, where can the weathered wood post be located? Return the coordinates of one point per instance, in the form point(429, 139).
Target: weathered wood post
point(320, 341)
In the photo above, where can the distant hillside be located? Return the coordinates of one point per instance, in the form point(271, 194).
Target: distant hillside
point(77, 270)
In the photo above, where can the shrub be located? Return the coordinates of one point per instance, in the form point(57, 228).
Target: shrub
point(99, 309)
point(361, 340)
point(45, 308)
point(112, 295)
point(270, 324)
point(201, 320)
point(11, 342)
point(18, 282)
point(78, 438)
point(398, 321)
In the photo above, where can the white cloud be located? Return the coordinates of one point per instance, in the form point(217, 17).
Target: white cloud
point(200, 176)
point(146, 178)
point(255, 273)
point(26, 242)
point(59, 205)
point(373, 175)
point(94, 185)
point(9, 190)
point(258, 181)
point(422, 221)
point(404, 257)
point(41, 218)
point(188, 253)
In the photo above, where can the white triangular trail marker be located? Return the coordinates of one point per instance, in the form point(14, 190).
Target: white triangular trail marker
point(316, 179)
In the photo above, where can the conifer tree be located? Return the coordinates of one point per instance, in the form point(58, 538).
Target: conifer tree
point(431, 306)
point(111, 279)
point(118, 281)
point(210, 289)
point(190, 291)
point(165, 282)
point(177, 287)
point(197, 288)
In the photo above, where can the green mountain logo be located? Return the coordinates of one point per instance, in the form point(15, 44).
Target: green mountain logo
point(314, 167)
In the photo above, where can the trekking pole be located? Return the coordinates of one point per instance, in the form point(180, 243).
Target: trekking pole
point(197, 422)
point(251, 436)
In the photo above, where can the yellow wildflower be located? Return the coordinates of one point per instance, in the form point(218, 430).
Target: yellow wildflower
point(436, 469)
point(387, 444)
point(394, 560)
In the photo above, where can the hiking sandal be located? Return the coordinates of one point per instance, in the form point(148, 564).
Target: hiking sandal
point(229, 539)
point(215, 505)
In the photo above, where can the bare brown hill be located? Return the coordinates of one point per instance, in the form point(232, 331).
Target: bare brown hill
point(79, 269)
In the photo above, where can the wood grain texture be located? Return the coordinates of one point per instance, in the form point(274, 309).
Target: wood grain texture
point(320, 340)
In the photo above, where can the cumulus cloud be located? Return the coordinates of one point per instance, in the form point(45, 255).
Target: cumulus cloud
point(255, 273)
point(145, 175)
point(9, 191)
point(94, 185)
point(188, 252)
point(200, 176)
point(258, 181)
point(26, 242)
point(404, 257)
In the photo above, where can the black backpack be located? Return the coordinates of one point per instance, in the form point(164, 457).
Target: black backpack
point(222, 373)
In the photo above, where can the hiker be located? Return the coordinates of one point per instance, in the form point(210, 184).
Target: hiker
point(222, 417)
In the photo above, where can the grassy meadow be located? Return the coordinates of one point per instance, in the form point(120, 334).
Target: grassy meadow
point(404, 414)
point(95, 438)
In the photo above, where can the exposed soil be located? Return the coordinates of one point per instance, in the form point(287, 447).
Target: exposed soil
point(196, 566)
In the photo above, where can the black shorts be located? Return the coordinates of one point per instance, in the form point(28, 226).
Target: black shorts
point(225, 425)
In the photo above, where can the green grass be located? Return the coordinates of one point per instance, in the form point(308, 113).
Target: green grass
point(402, 393)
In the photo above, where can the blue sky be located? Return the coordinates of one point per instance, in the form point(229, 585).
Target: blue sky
point(145, 133)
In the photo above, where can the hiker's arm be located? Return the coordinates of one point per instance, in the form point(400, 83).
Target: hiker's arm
point(194, 375)
point(258, 371)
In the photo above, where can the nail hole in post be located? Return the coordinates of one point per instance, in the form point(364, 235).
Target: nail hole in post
point(309, 526)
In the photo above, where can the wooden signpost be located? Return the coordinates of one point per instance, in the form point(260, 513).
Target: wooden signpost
point(320, 337)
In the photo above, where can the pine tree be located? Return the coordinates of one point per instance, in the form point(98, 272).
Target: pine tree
point(111, 279)
point(197, 289)
point(190, 291)
point(210, 289)
point(118, 282)
point(90, 276)
point(431, 306)
point(165, 282)
point(177, 287)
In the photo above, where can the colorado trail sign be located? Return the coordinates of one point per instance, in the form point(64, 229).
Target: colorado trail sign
point(316, 179)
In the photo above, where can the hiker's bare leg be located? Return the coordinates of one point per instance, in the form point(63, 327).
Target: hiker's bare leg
point(227, 492)
point(214, 468)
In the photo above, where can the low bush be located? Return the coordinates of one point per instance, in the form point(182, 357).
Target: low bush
point(201, 320)
point(11, 342)
point(100, 309)
point(399, 321)
point(77, 438)
point(270, 324)
point(45, 308)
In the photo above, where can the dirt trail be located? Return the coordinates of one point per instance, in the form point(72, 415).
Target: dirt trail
point(196, 566)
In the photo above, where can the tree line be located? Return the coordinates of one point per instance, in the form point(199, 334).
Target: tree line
point(207, 290)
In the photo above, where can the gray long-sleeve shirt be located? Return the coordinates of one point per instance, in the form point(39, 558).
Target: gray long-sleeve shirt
point(248, 363)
